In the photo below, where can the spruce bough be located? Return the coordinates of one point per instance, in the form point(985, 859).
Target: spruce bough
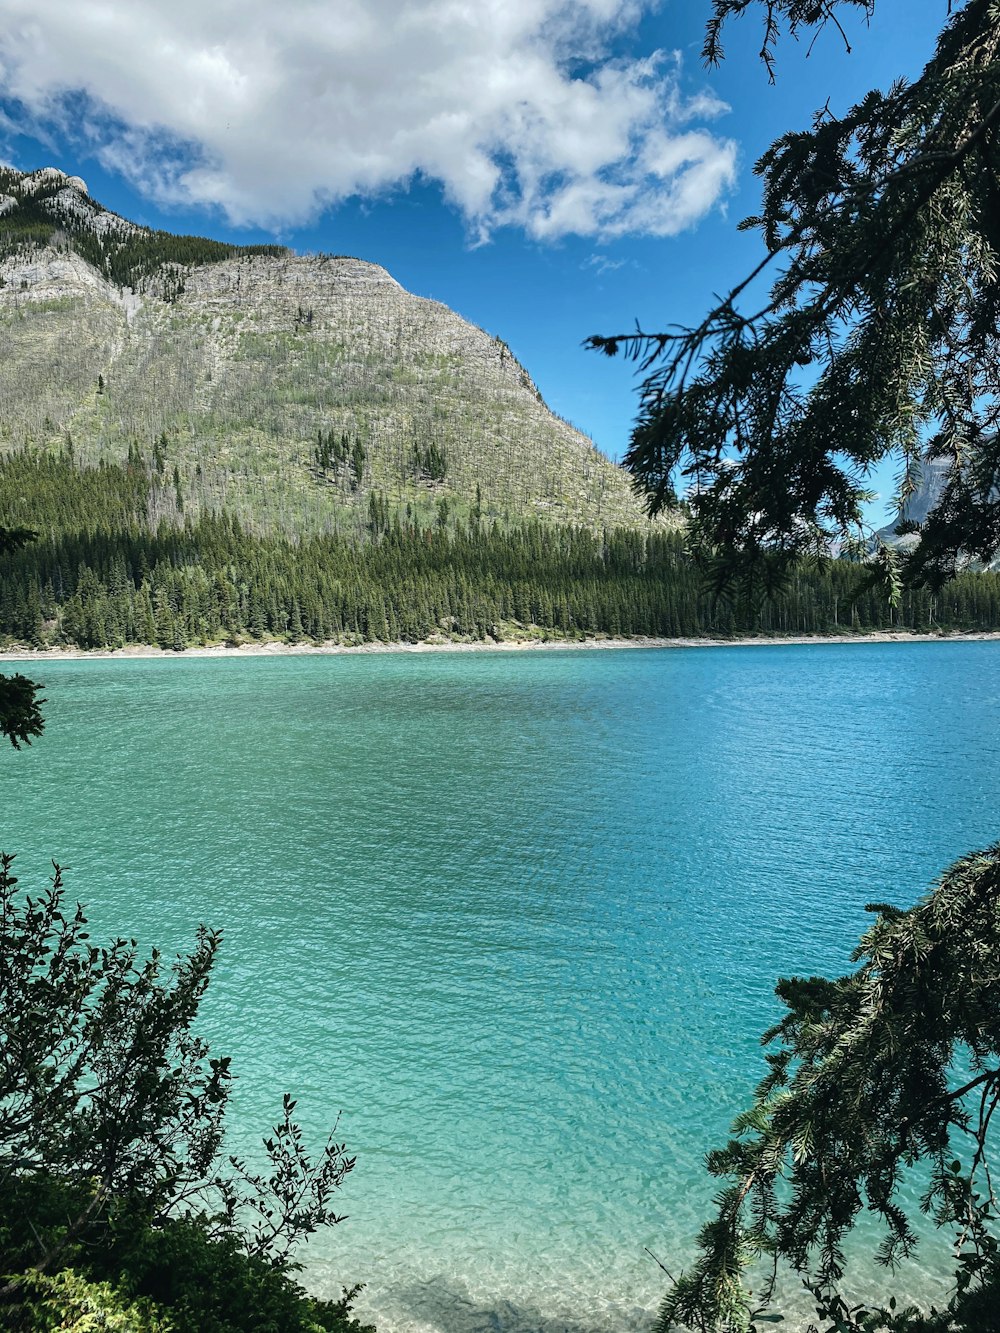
point(861, 1085)
point(878, 338)
point(20, 706)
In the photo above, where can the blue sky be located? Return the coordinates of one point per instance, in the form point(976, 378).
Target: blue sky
point(548, 170)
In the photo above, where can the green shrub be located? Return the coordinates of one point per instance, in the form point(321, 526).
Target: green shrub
point(118, 1208)
point(67, 1300)
point(129, 1275)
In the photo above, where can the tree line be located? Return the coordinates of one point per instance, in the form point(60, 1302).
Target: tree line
point(100, 574)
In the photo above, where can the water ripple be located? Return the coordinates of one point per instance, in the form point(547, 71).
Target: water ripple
point(515, 918)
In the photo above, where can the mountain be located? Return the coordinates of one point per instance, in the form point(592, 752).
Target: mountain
point(925, 495)
point(295, 392)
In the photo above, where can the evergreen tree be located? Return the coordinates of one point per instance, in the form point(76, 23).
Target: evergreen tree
point(880, 336)
point(20, 712)
point(358, 462)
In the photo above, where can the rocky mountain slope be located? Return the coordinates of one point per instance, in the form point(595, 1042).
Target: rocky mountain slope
point(294, 391)
point(930, 485)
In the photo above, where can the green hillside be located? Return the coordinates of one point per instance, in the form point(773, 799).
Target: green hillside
point(286, 390)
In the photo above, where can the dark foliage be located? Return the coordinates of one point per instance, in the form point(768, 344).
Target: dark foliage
point(895, 1064)
point(112, 1168)
point(154, 1278)
point(20, 706)
point(878, 337)
point(20, 710)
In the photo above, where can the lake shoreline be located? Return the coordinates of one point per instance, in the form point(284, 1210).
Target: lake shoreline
point(276, 648)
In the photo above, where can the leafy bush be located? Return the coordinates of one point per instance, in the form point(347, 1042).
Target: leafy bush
point(118, 1208)
point(124, 1273)
point(67, 1300)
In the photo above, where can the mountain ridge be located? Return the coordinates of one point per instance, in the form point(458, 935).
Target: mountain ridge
point(292, 390)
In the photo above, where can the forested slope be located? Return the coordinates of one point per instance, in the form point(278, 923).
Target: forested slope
point(100, 576)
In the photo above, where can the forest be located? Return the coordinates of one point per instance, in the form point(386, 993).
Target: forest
point(101, 574)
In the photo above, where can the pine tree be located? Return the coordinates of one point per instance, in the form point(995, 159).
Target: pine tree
point(20, 706)
point(880, 336)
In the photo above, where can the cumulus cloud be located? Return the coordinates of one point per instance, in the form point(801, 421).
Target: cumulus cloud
point(271, 112)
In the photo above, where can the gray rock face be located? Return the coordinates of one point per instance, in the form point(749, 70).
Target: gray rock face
point(63, 199)
point(240, 364)
point(933, 478)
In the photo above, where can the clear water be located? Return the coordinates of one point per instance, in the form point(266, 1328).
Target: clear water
point(515, 918)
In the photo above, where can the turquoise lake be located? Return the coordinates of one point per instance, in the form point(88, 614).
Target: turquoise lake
point(514, 917)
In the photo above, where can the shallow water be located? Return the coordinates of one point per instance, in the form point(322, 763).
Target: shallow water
point(515, 918)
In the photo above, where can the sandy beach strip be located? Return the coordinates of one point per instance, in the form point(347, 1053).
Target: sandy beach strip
point(275, 649)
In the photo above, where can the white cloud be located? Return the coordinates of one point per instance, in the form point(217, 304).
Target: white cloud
point(270, 112)
point(603, 264)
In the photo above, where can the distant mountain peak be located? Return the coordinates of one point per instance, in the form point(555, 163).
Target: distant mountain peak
point(44, 178)
point(930, 484)
point(46, 208)
point(47, 196)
